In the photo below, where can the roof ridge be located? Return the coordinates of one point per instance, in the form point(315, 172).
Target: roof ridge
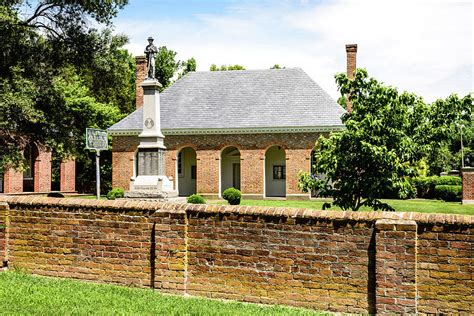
point(244, 70)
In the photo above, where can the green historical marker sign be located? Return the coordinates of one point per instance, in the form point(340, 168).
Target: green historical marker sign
point(97, 139)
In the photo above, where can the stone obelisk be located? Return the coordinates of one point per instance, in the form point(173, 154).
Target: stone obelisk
point(150, 180)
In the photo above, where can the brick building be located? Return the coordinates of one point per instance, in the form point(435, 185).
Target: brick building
point(251, 129)
point(37, 177)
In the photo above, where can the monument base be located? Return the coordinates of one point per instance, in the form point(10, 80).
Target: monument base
point(151, 187)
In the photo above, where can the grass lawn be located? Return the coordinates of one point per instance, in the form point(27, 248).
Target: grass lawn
point(415, 205)
point(22, 294)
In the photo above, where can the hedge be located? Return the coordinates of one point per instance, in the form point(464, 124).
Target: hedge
point(448, 193)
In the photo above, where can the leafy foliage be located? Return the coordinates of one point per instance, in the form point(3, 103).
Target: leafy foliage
point(116, 193)
point(374, 153)
point(277, 66)
point(447, 119)
point(59, 75)
point(448, 193)
point(232, 195)
point(390, 137)
point(167, 67)
point(425, 185)
point(214, 67)
point(196, 199)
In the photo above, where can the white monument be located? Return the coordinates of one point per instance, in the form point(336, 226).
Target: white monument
point(150, 180)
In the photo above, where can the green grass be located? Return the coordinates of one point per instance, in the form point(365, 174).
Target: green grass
point(415, 205)
point(22, 294)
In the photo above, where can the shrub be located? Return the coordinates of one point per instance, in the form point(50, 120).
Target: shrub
point(425, 186)
point(449, 193)
point(116, 193)
point(449, 180)
point(196, 199)
point(232, 195)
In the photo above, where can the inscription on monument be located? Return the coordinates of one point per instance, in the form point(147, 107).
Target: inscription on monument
point(150, 162)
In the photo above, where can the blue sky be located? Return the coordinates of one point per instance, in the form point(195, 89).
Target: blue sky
point(421, 46)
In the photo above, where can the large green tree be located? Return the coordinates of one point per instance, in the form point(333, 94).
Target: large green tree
point(168, 68)
point(39, 47)
point(445, 120)
point(374, 153)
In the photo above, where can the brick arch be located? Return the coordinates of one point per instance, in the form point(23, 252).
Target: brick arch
point(227, 145)
point(283, 146)
point(185, 145)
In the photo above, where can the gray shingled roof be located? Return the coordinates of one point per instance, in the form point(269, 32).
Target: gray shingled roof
point(242, 99)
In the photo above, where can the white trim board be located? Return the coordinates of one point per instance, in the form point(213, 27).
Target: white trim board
point(220, 131)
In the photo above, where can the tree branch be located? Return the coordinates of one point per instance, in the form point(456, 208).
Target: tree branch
point(39, 12)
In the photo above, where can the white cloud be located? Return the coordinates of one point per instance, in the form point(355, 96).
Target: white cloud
point(419, 46)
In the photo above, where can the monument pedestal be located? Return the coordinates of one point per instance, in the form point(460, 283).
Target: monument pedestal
point(151, 181)
point(151, 187)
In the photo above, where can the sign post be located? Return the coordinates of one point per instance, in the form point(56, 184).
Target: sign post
point(97, 140)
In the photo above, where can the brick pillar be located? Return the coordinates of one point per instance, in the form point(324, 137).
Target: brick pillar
point(42, 172)
point(141, 73)
point(207, 165)
point(67, 176)
point(468, 185)
point(351, 51)
point(251, 171)
point(122, 169)
point(4, 223)
point(296, 160)
point(170, 163)
point(395, 267)
point(12, 181)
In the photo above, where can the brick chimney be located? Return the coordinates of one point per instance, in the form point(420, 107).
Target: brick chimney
point(141, 72)
point(351, 50)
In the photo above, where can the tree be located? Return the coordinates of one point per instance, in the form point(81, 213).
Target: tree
point(188, 66)
point(36, 49)
point(225, 68)
point(277, 66)
point(375, 152)
point(110, 75)
point(442, 144)
point(167, 67)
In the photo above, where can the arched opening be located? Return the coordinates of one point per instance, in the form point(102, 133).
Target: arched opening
point(312, 169)
point(30, 154)
point(230, 168)
point(55, 172)
point(186, 171)
point(275, 172)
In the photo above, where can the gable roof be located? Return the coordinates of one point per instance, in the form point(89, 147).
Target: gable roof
point(241, 100)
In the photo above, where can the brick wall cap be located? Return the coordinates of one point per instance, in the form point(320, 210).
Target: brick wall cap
point(169, 207)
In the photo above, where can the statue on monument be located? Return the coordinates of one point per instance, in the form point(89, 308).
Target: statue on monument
point(150, 52)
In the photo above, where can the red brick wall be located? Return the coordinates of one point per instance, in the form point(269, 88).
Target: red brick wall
point(42, 172)
point(468, 185)
point(123, 152)
point(445, 265)
point(396, 266)
point(371, 262)
point(141, 73)
point(4, 217)
point(68, 176)
point(264, 256)
point(351, 51)
point(104, 242)
point(208, 150)
point(12, 181)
